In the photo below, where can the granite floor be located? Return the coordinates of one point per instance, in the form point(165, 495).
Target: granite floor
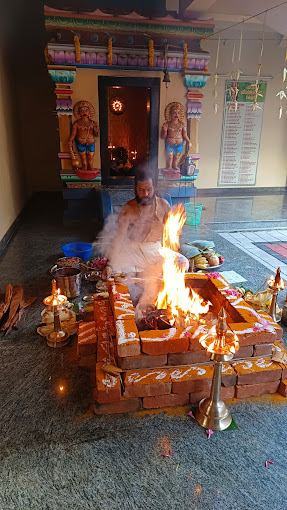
point(56, 455)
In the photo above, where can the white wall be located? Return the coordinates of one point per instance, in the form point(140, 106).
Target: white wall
point(12, 188)
point(272, 161)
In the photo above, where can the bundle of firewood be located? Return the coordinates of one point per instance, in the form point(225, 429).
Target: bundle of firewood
point(13, 306)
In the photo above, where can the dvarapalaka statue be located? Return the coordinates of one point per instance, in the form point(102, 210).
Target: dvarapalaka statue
point(174, 133)
point(84, 131)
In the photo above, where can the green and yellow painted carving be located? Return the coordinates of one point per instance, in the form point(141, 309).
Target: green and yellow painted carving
point(62, 76)
point(110, 25)
point(195, 80)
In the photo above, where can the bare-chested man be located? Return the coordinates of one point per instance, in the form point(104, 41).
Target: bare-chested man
point(138, 239)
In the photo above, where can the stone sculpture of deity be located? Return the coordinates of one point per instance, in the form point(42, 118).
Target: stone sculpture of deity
point(174, 133)
point(84, 131)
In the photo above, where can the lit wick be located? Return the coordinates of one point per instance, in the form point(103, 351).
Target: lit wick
point(58, 337)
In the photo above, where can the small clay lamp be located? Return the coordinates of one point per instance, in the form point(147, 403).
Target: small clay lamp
point(58, 337)
point(220, 346)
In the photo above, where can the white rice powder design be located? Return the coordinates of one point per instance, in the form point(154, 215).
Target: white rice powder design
point(245, 365)
point(263, 363)
point(110, 383)
point(86, 339)
point(178, 374)
point(135, 377)
point(123, 336)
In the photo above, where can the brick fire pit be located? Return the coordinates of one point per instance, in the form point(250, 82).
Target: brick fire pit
point(169, 367)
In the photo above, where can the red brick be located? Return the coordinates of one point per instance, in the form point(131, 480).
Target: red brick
point(128, 342)
point(146, 383)
point(88, 361)
point(142, 361)
point(105, 351)
point(262, 350)
point(229, 376)
point(173, 399)
point(191, 379)
point(87, 338)
point(188, 358)
point(255, 390)
point(108, 387)
point(256, 371)
point(165, 341)
point(226, 393)
point(283, 388)
point(123, 406)
point(244, 352)
point(253, 337)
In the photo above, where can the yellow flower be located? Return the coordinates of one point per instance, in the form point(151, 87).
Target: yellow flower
point(77, 48)
point(150, 53)
point(110, 51)
point(185, 56)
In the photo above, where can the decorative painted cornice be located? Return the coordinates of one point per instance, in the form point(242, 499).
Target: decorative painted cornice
point(126, 58)
point(199, 80)
point(176, 28)
point(62, 76)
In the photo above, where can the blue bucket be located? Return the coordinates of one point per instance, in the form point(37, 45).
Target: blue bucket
point(82, 250)
point(193, 213)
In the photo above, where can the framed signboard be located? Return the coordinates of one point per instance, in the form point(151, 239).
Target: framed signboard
point(241, 134)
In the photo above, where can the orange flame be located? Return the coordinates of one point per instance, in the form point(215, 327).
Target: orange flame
point(181, 300)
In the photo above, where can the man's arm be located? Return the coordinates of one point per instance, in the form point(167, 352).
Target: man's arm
point(95, 128)
point(185, 137)
point(163, 132)
point(73, 135)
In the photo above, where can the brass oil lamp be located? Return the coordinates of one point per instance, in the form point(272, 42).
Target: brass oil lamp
point(220, 346)
point(275, 283)
point(58, 337)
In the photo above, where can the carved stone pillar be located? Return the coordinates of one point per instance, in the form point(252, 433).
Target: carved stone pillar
point(63, 77)
point(194, 85)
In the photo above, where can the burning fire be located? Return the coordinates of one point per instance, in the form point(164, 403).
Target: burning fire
point(175, 296)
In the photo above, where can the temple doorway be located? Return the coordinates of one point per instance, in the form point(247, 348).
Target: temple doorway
point(128, 110)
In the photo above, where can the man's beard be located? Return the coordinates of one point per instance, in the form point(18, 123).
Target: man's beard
point(145, 200)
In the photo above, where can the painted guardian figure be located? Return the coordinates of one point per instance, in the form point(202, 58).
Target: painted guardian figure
point(84, 131)
point(174, 133)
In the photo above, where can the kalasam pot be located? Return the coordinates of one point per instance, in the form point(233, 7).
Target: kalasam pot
point(69, 279)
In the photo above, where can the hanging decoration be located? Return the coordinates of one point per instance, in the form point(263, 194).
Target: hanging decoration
point(215, 77)
point(281, 93)
point(110, 51)
point(166, 77)
point(150, 53)
point(185, 57)
point(256, 85)
point(77, 48)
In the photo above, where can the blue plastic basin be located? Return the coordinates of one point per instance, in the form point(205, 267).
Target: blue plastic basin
point(82, 250)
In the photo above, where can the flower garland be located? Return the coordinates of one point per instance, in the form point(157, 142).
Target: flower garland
point(185, 56)
point(150, 53)
point(110, 51)
point(77, 48)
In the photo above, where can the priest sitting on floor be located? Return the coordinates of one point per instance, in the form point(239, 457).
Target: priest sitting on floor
point(138, 239)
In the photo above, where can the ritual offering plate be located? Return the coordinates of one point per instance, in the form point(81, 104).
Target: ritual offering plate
point(101, 286)
point(206, 260)
point(69, 262)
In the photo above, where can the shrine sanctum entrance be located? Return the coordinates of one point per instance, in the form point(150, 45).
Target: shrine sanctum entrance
point(128, 116)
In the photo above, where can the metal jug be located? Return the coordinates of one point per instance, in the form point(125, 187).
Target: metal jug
point(187, 167)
